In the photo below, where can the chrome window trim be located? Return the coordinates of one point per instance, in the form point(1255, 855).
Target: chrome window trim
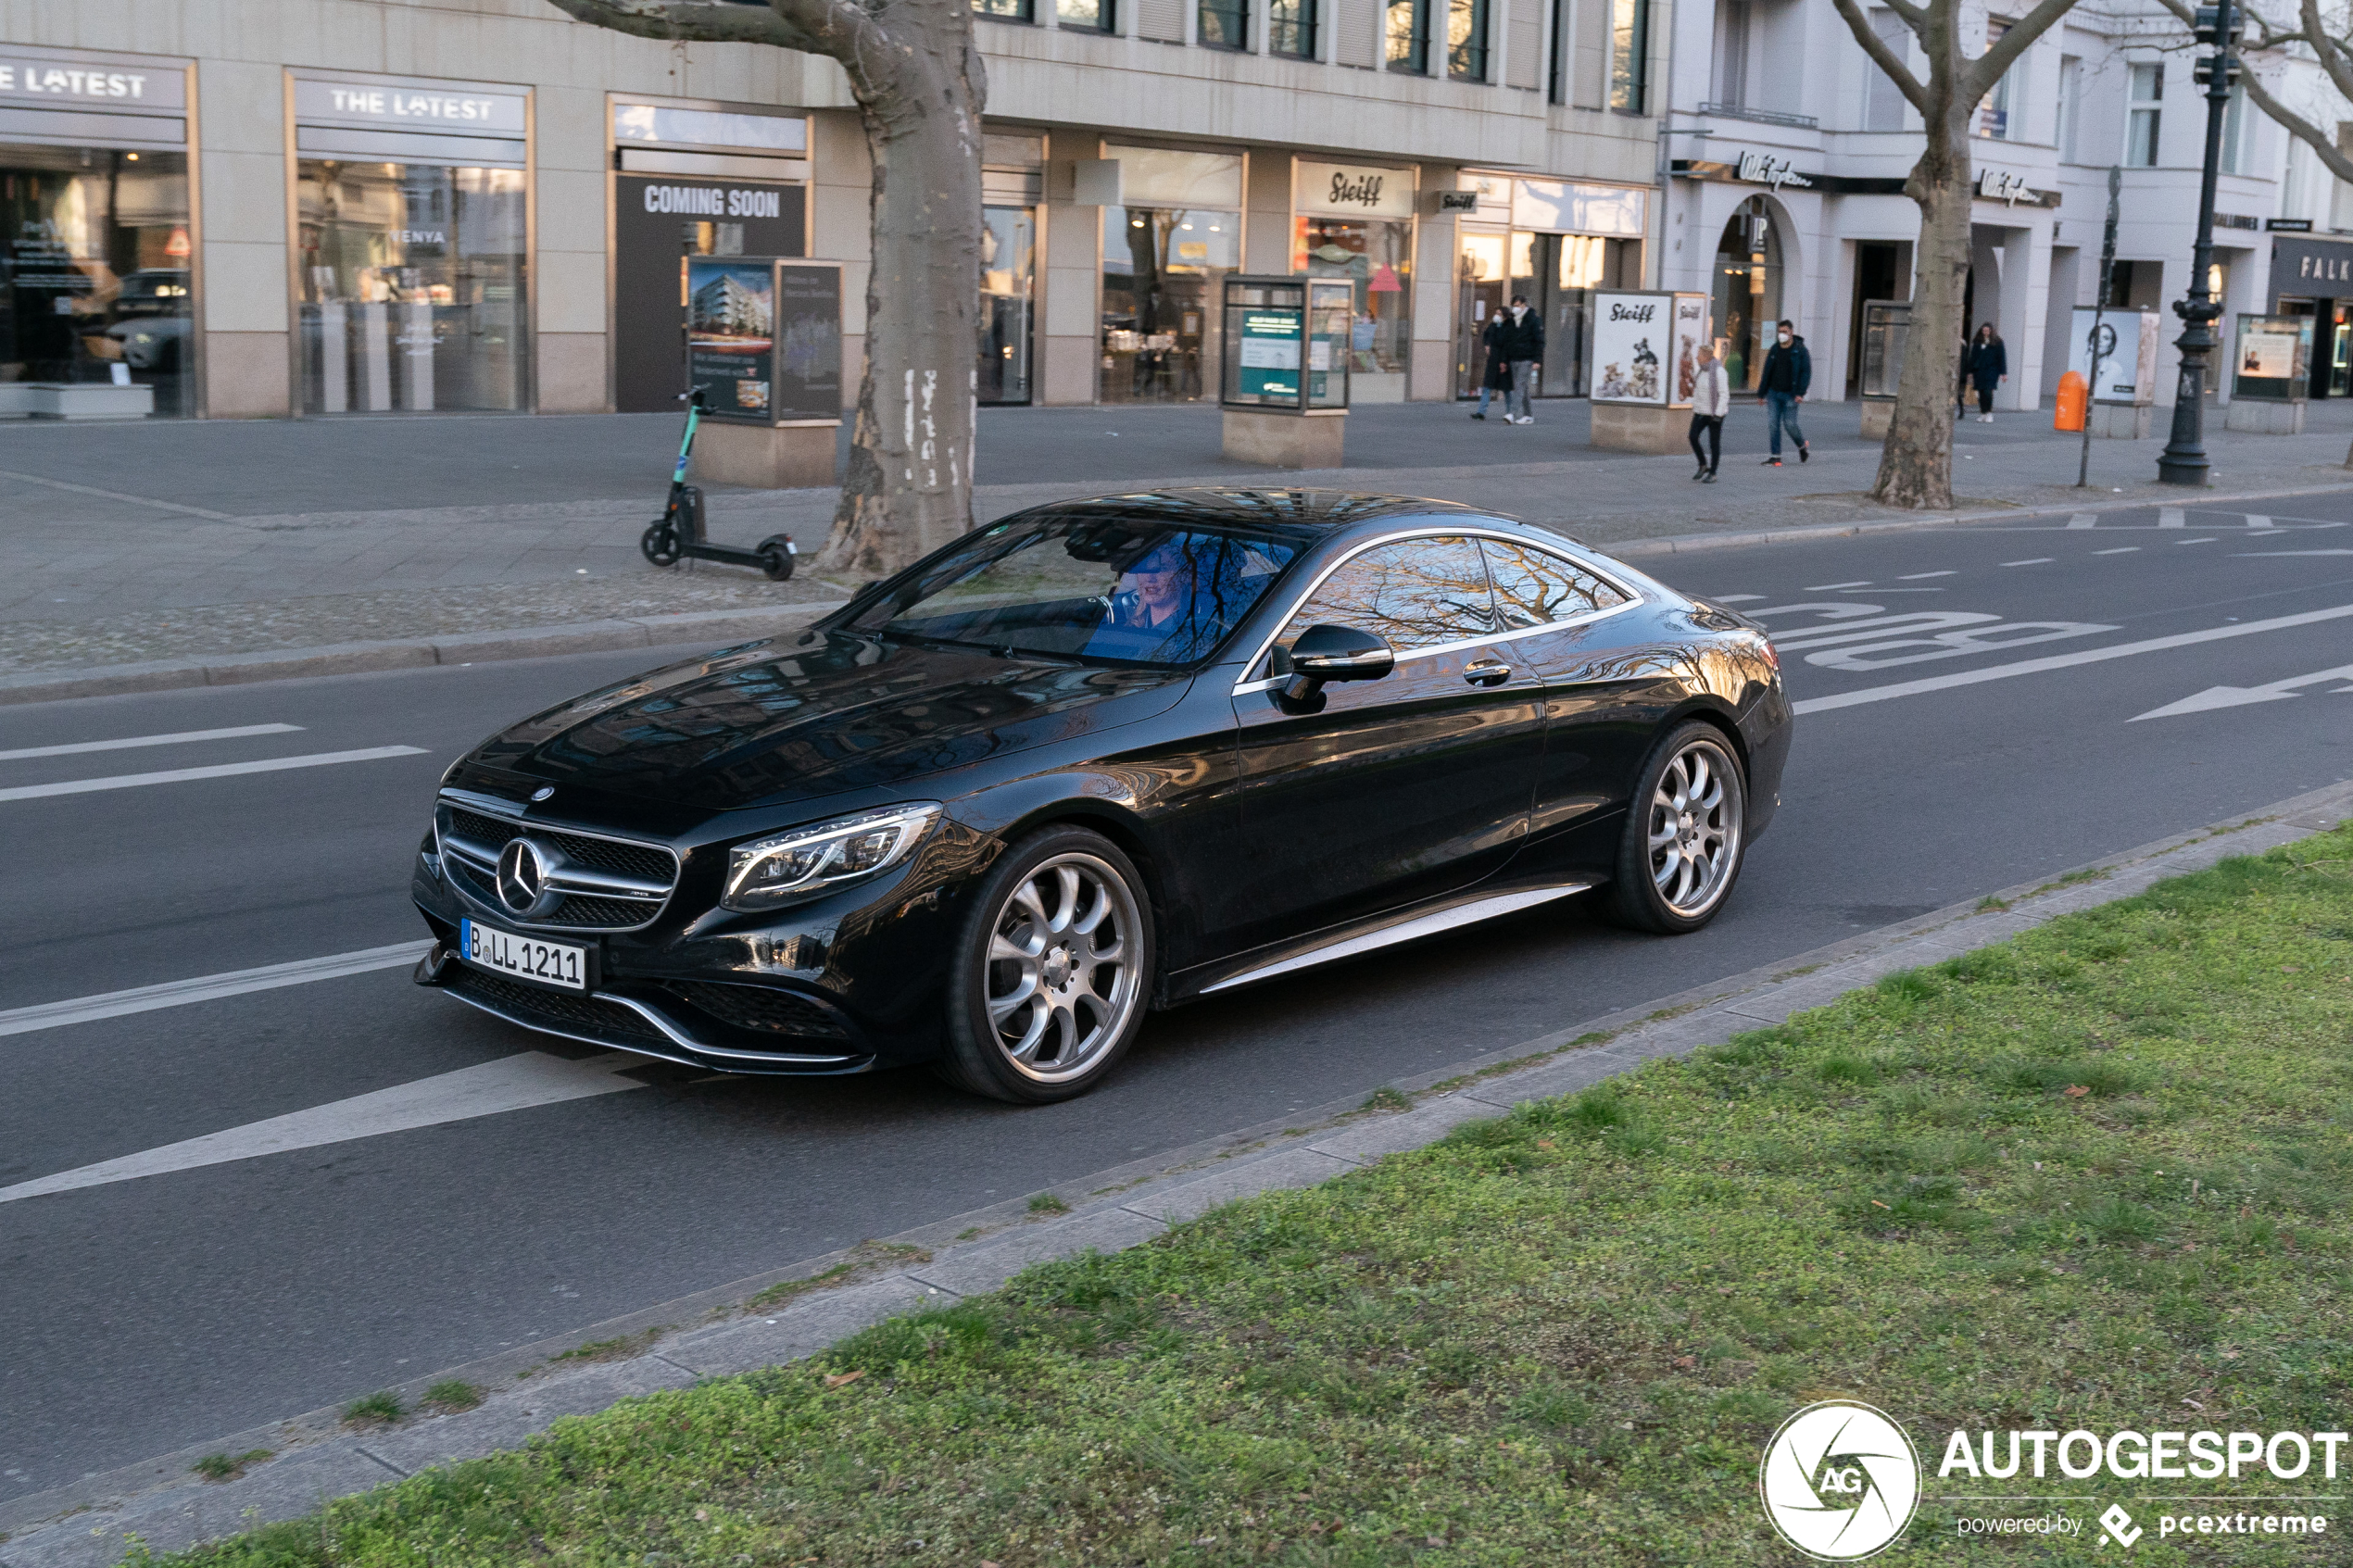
point(1634, 599)
point(583, 881)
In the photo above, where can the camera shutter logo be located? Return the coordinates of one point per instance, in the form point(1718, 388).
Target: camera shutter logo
point(1839, 1481)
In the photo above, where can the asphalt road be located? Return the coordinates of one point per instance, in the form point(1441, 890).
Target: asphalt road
point(141, 1315)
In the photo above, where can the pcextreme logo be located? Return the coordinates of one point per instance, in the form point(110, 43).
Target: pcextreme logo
point(1839, 1481)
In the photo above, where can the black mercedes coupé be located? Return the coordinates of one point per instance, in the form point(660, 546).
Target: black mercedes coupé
point(1096, 759)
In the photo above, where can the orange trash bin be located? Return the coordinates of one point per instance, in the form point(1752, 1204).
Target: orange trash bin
point(2073, 397)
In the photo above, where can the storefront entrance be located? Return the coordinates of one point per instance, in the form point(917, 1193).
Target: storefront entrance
point(1748, 290)
point(1165, 253)
point(1356, 221)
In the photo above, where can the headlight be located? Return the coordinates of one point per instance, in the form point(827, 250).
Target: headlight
point(771, 872)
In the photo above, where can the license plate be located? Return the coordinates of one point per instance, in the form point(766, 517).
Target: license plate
point(525, 957)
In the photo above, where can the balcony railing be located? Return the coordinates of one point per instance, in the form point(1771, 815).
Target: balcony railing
point(1763, 117)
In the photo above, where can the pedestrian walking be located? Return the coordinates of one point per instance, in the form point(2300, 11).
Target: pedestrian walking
point(1711, 400)
point(1989, 366)
point(1498, 375)
point(1789, 370)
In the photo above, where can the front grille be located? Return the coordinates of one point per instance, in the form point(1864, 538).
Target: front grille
point(580, 913)
point(589, 1017)
point(608, 885)
point(761, 1008)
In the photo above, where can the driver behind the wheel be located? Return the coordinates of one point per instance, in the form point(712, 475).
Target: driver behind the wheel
point(1156, 608)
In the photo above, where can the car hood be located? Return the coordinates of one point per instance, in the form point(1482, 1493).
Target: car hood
point(777, 721)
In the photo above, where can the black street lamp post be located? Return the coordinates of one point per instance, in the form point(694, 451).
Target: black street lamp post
point(2184, 459)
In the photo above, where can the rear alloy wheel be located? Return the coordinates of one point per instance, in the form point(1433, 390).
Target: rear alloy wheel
point(1684, 835)
point(1053, 970)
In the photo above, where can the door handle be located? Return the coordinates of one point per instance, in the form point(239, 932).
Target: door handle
point(1488, 673)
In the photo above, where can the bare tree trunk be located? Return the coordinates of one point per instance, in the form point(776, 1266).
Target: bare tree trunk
point(1915, 464)
point(909, 487)
point(920, 86)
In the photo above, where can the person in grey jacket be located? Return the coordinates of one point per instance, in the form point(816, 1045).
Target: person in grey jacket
point(1711, 400)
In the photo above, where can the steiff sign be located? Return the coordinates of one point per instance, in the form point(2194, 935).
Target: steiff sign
point(1351, 190)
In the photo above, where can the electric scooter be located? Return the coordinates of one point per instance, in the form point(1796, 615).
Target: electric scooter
point(679, 531)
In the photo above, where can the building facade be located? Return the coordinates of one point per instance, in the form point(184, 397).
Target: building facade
point(1788, 149)
point(338, 207)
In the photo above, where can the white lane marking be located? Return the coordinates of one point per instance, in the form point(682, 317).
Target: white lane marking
point(2245, 555)
point(2206, 541)
point(2119, 550)
point(180, 738)
point(1735, 598)
point(2033, 560)
point(118, 495)
point(2253, 521)
point(2062, 661)
point(1917, 576)
point(514, 1083)
point(2236, 696)
point(2171, 517)
point(208, 987)
point(2083, 519)
point(1826, 587)
point(225, 769)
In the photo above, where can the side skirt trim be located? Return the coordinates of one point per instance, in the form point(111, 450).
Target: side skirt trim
point(1406, 931)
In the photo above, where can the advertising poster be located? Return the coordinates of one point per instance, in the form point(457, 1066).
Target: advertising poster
point(2119, 367)
point(1268, 356)
point(1631, 336)
point(2266, 355)
point(731, 319)
point(1690, 334)
point(808, 342)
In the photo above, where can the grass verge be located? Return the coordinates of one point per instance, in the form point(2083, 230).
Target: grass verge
point(2096, 1177)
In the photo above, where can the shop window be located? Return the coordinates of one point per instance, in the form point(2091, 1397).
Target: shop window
point(1291, 28)
point(1630, 28)
point(1559, 273)
point(1748, 290)
point(1466, 40)
point(1162, 267)
point(1005, 10)
point(1378, 256)
point(1998, 116)
point(1008, 284)
point(1085, 16)
point(2141, 143)
point(1405, 27)
point(413, 287)
point(1224, 24)
point(94, 282)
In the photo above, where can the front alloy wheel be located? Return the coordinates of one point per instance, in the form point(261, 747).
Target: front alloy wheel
point(1682, 844)
point(1051, 983)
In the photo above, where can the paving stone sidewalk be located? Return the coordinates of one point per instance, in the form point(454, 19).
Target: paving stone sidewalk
point(317, 1457)
point(166, 541)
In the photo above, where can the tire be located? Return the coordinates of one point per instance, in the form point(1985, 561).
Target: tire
point(658, 544)
point(1677, 865)
point(1026, 1022)
point(775, 559)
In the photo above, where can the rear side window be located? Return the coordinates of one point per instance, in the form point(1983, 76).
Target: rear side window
point(1536, 588)
point(1413, 594)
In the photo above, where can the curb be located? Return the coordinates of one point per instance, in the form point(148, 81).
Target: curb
point(709, 1334)
point(710, 626)
point(723, 625)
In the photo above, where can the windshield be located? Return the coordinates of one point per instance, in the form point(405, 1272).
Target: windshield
point(1117, 592)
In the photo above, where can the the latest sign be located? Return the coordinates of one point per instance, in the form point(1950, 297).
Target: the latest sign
point(420, 108)
point(89, 82)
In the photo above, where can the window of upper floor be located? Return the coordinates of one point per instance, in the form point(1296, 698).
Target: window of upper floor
point(2002, 116)
point(2071, 108)
point(1007, 11)
point(1466, 40)
point(1223, 24)
point(1728, 80)
point(1630, 62)
point(1085, 16)
point(1291, 28)
point(2144, 123)
point(1883, 102)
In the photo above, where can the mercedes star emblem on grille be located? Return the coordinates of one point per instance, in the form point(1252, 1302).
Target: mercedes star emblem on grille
point(523, 875)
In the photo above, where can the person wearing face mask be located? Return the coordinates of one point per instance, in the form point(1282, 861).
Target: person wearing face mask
point(1711, 400)
point(1522, 342)
point(1789, 370)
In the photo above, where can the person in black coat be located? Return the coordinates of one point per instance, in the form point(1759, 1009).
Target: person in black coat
point(1989, 366)
point(1782, 383)
point(1498, 375)
point(1522, 341)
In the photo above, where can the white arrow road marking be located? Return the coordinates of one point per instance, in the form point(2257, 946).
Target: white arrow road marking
point(2236, 696)
point(2060, 661)
point(226, 770)
point(180, 738)
point(515, 1082)
point(208, 987)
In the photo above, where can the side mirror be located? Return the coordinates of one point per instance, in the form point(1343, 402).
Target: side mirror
point(1335, 653)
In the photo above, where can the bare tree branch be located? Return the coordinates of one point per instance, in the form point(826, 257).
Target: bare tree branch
point(1899, 71)
point(2330, 51)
